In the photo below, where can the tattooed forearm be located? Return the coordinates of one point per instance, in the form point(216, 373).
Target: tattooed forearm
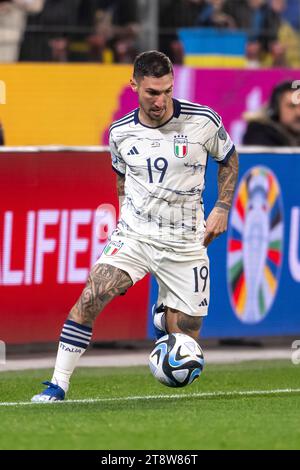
point(121, 189)
point(104, 283)
point(120, 185)
point(227, 179)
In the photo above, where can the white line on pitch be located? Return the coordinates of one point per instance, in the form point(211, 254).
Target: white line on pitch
point(235, 393)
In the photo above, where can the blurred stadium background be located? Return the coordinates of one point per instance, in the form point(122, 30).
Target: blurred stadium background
point(65, 67)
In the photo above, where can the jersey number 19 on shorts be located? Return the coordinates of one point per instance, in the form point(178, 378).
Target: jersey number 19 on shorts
point(161, 165)
point(203, 274)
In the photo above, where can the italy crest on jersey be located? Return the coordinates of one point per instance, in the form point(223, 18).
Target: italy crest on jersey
point(180, 146)
point(112, 248)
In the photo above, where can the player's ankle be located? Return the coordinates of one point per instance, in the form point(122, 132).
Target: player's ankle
point(61, 383)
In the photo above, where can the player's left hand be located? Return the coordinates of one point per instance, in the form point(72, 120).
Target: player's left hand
point(216, 224)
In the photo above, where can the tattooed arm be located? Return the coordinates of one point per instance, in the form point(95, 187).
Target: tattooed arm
point(120, 189)
point(218, 218)
point(120, 185)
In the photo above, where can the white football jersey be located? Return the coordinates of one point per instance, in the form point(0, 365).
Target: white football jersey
point(164, 169)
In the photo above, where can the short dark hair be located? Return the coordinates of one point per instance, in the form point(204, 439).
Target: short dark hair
point(152, 64)
point(277, 93)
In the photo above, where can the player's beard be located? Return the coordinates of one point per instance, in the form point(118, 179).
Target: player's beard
point(156, 116)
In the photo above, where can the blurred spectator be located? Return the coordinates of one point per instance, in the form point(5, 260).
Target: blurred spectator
point(126, 31)
point(277, 125)
point(116, 28)
point(80, 47)
point(285, 50)
point(12, 25)
point(292, 13)
point(214, 15)
point(263, 28)
point(46, 37)
point(174, 14)
point(261, 22)
point(82, 30)
point(239, 10)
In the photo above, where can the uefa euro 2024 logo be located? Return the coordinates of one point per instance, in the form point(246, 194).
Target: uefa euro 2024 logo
point(255, 245)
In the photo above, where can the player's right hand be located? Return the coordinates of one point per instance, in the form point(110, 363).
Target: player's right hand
point(216, 224)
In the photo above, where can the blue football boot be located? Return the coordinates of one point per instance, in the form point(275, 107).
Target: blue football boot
point(52, 393)
point(158, 319)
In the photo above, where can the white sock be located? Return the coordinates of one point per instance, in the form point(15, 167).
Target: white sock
point(74, 340)
point(159, 320)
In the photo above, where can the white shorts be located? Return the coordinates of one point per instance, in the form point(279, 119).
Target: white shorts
point(183, 279)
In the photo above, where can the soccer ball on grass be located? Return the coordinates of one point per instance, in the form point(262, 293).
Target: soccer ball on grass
point(176, 360)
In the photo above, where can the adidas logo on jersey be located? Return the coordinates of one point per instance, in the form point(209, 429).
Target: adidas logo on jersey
point(133, 151)
point(203, 303)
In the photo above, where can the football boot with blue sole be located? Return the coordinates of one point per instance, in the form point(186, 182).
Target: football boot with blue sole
point(52, 393)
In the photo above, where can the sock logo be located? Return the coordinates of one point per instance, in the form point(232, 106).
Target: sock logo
point(68, 349)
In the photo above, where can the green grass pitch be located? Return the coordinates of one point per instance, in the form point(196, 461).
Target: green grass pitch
point(133, 411)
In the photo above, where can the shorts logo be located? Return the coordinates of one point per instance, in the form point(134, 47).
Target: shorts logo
point(255, 245)
point(180, 146)
point(112, 248)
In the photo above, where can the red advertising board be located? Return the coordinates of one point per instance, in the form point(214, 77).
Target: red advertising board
point(57, 209)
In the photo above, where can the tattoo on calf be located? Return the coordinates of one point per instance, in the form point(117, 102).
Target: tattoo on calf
point(104, 283)
point(121, 189)
point(187, 323)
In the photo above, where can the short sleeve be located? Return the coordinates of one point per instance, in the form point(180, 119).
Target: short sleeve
point(219, 144)
point(118, 164)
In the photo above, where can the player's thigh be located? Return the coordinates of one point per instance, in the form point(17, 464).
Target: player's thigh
point(104, 283)
point(131, 256)
point(107, 281)
point(122, 263)
point(184, 287)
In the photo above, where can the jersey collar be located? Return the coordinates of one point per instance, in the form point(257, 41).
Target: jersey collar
point(176, 113)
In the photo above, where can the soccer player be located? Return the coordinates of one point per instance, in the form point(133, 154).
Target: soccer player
point(159, 153)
